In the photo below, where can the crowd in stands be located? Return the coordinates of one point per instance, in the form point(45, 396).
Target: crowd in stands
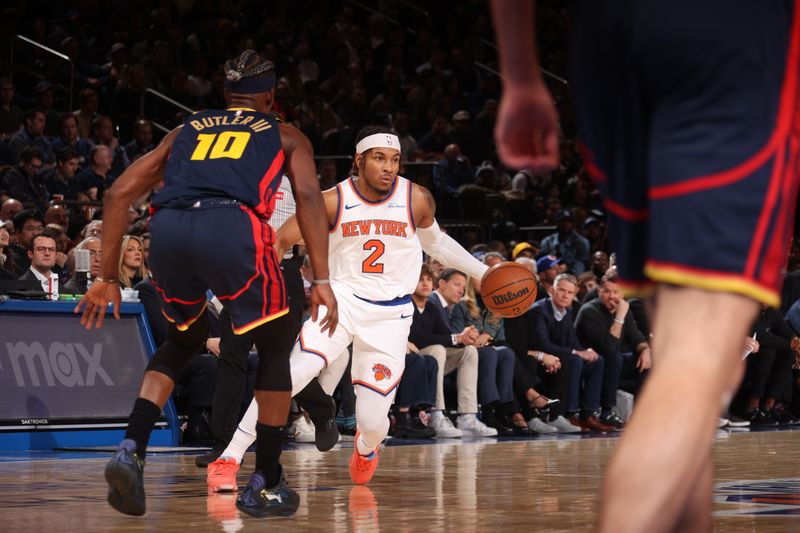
point(427, 73)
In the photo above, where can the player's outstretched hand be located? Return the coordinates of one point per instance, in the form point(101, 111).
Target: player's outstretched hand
point(96, 301)
point(323, 295)
point(526, 132)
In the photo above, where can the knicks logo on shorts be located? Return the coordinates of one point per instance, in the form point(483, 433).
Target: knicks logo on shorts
point(381, 372)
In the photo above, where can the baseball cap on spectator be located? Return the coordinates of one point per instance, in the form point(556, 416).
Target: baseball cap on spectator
point(486, 166)
point(564, 214)
point(589, 221)
point(460, 115)
point(548, 261)
point(519, 248)
point(42, 87)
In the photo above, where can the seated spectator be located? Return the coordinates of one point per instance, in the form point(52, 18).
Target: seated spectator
point(524, 249)
point(69, 138)
point(571, 247)
point(42, 256)
point(102, 133)
point(554, 334)
point(495, 370)
point(32, 135)
point(24, 182)
point(142, 140)
point(500, 409)
point(452, 171)
point(408, 144)
point(131, 262)
point(45, 96)
point(431, 335)
point(600, 263)
point(327, 174)
point(11, 116)
point(63, 245)
point(434, 142)
point(768, 378)
point(98, 175)
point(27, 224)
point(79, 284)
point(9, 208)
point(547, 268)
point(59, 180)
point(5, 256)
point(89, 104)
point(606, 325)
point(587, 282)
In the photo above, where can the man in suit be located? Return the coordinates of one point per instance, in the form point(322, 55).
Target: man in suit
point(449, 289)
point(554, 333)
point(43, 257)
point(431, 335)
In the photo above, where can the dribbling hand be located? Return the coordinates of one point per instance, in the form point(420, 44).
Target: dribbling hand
point(96, 301)
point(323, 295)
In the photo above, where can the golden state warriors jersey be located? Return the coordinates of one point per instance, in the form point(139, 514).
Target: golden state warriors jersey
point(373, 246)
point(224, 153)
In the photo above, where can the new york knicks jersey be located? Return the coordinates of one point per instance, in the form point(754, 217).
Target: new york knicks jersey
point(373, 246)
point(233, 153)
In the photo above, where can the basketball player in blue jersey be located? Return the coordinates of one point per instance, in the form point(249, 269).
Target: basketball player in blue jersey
point(379, 225)
point(221, 170)
point(690, 113)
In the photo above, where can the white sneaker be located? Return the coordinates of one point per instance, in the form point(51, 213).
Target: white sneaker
point(444, 428)
point(563, 425)
point(722, 422)
point(536, 424)
point(470, 425)
point(303, 430)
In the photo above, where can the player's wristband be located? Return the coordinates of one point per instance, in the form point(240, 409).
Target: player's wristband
point(320, 282)
point(540, 356)
point(106, 280)
point(619, 320)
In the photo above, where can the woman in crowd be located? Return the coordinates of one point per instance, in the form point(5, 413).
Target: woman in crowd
point(131, 262)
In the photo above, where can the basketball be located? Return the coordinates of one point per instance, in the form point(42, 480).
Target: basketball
point(508, 289)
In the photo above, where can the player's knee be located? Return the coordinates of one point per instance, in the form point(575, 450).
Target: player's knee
point(373, 427)
point(171, 357)
point(274, 374)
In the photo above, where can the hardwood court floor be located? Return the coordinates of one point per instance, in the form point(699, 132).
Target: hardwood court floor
point(541, 484)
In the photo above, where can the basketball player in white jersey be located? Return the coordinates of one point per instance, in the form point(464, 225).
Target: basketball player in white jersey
point(379, 223)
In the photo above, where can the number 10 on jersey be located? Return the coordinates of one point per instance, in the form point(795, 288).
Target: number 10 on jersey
point(229, 144)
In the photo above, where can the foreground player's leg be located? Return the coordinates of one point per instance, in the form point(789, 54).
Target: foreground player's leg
point(124, 473)
point(268, 493)
point(221, 476)
point(372, 423)
point(697, 348)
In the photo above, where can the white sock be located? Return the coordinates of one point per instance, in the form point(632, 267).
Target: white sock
point(436, 415)
point(362, 447)
point(245, 434)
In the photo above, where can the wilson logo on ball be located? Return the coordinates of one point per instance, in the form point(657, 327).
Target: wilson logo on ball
point(509, 296)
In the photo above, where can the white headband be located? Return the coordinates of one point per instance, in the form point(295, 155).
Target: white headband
point(378, 140)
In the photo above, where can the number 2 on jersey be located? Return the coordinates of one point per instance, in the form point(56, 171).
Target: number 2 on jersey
point(230, 144)
point(370, 264)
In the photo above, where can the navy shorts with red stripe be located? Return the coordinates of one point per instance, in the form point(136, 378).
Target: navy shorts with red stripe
point(219, 245)
point(688, 116)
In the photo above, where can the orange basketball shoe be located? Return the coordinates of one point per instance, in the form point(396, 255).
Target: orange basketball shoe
point(362, 468)
point(222, 475)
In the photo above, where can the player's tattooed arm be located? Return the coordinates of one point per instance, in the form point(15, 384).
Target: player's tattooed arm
point(423, 205)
